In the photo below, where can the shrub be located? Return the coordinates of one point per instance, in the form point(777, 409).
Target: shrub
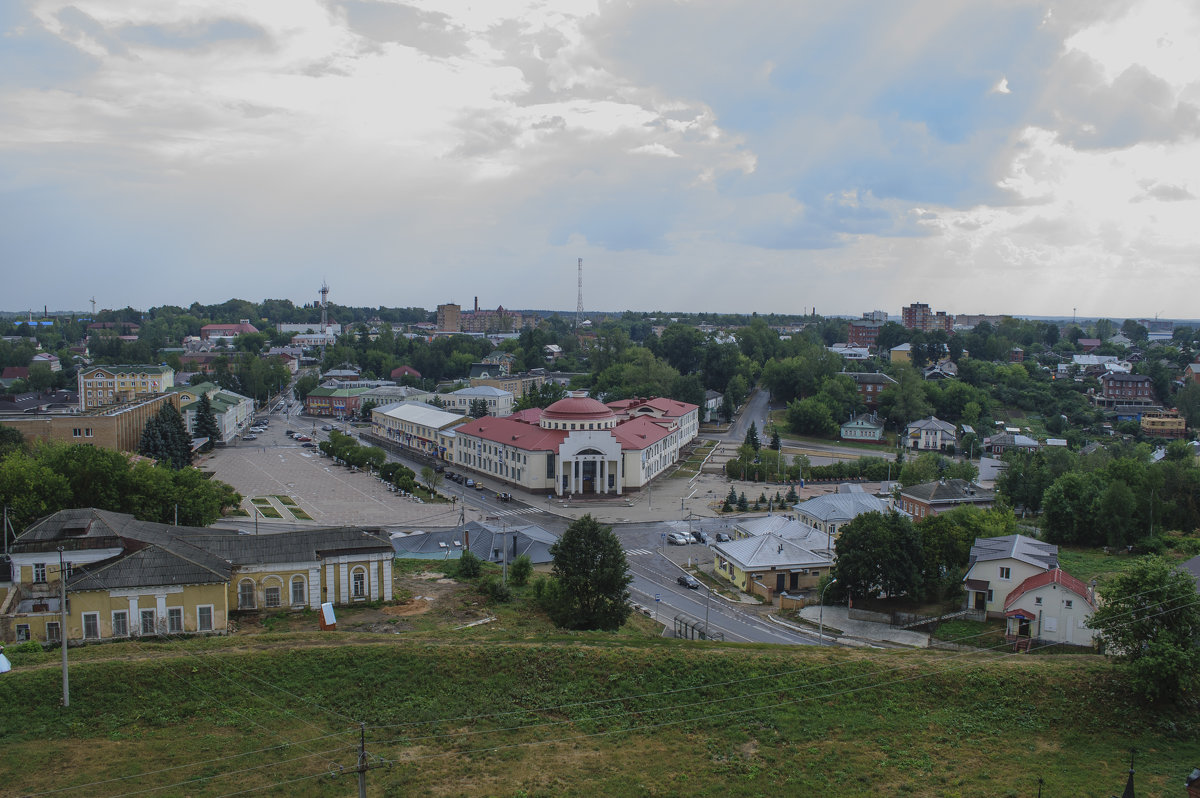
point(520, 570)
point(469, 566)
point(496, 590)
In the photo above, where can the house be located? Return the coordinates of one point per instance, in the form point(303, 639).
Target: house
point(1125, 389)
point(492, 542)
point(931, 435)
point(100, 386)
point(335, 402)
point(919, 316)
point(863, 333)
point(231, 411)
point(499, 402)
point(226, 332)
point(11, 374)
point(1163, 424)
point(942, 370)
point(48, 359)
point(788, 528)
point(998, 565)
point(1088, 345)
point(1009, 442)
point(415, 426)
point(1050, 607)
point(764, 565)
point(900, 354)
point(131, 578)
point(850, 351)
point(552, 352)
point(870, 385)
point(935, 498)
point(390, 394)
point(1192, 372)
point(400, 372)
point(711, 408)
point(829, 513)
point(863, 427)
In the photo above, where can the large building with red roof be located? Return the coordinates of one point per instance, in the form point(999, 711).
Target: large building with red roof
point(579, 445)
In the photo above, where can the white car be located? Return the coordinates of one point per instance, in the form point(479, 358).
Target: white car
point(676, 539)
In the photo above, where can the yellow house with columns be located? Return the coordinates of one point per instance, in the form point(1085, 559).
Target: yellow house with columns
point(127, 578)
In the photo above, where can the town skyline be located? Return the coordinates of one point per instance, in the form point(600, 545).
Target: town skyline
point(992, 156)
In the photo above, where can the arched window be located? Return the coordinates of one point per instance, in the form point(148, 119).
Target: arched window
point(358, 582)
point(299, 594)
point(272, 591)
point(246, 594)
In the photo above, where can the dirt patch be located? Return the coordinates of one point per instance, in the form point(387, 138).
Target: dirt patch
point(417, 606)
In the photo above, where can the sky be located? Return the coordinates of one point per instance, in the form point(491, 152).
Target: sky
point(991, 156)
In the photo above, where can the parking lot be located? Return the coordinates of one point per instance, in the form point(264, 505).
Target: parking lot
point(275, 465)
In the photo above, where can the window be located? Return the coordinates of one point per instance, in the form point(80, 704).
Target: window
point(53, 632)
point(358, 583)
point(39, 572)
point(76, 433)
point(22, 632)
point(1037, 600)
point(246, 594)
point(204, 618)
point(120, 623)
point(271, 595)
point(1005, 573)
point(175, 620)
point(1068, 603)
point(989, 598)
point(148, 622)
point(87, 432)
point(298, 590)
point(91, 626)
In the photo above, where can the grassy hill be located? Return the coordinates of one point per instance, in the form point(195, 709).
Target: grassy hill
point(467, 712)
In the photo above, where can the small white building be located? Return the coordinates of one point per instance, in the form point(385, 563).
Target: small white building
point(998, 565)
point(930, 434)
point(1050, 607)
point(499, 401)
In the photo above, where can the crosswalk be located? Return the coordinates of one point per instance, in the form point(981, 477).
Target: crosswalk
point(638, 552)
point(522, 511)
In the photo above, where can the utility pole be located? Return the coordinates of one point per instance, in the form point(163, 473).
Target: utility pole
point(62, 633)
point(363, 765)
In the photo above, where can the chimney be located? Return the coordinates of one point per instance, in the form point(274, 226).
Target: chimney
point(476, 304)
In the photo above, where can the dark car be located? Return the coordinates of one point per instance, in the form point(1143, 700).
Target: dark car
point(439, 468)
point(688, 581)
point(722, 537)
point(699, 536)
point(309, 445)
point(290, 432)
point(504, 497)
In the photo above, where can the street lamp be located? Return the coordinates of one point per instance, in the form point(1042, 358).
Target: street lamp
point(821, 614)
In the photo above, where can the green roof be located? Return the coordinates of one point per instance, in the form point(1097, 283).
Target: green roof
point(338, 392)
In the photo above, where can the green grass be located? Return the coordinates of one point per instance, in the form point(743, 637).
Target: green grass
point(585, 714)
point(298, 513)
point(268, 512)
point(1088, 564)
point(286, 500)
point(261, 500)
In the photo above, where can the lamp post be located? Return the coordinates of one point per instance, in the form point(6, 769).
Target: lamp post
point(821, 614)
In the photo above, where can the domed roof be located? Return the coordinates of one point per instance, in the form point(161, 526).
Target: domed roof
point(578, 407)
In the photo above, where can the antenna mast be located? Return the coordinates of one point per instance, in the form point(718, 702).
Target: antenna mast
point(579, 302)
point(93, 301)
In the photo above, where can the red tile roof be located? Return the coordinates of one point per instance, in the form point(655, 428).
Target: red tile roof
point(508, 432)
point(639, 433)
point(1055, 576)
point(15, 373)
point(531, 416)
point(578, 408)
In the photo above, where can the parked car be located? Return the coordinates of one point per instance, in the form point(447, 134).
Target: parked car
point(251, 437)
point(699, 536)
point(676, 539)
point(290, 433)
point(723, 538)
point(439, 468)
point(470, 483)
point(478, 486)
point(688, 581)
point(504, 497)
point(327, 428)
point(303, 438)
point(309, 445)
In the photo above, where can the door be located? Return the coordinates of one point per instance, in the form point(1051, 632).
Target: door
point(980, 600)
point(779, 583)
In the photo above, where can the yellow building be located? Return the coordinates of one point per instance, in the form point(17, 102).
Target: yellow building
point(1164, 424)
point(110, 385)
point(113, 427)
point(129, 578)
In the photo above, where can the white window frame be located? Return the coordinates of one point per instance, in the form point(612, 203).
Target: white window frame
point(95, 618)
point(57, 636)
point(1006, 573)
point(22, 633)
point(253, 603)
point(358, 582)
point(124, 616)
point(172, 613)
point(39, 573)
point(272, 590)
point(143, 614)
point(201, 626)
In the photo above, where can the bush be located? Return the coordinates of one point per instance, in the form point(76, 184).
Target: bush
point(469, 566)
point(496, 590)
point(520, 570)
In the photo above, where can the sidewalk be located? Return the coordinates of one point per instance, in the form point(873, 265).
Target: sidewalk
point(853, 632)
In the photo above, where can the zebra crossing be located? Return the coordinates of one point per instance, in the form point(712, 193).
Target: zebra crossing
point(522, 511)
point(638, 552)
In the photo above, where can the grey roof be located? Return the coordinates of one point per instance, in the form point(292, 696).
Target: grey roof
point(770, 552)
point(160, 554)
point(949, 491)
point(1192, 567)
point(481, 390)
point(933, 422)
point(1015, 547)
point(1009, 439)
point(842, 506)
point(486, 541)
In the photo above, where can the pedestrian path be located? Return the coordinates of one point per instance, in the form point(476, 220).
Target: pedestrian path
point(638, 552)
point(523, 511)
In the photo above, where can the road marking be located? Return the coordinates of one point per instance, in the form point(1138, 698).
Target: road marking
point(638, 552)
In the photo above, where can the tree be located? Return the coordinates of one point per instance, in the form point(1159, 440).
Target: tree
point(206, 423)
point(1149, 621)
point(591, 578)
point(520, 570)
point(879, 555)
point(776, 442)
point(469, 565)
point(752, 437)
point(1069, 509)
point(166, 439)
point(811, 416)
point(478, 408)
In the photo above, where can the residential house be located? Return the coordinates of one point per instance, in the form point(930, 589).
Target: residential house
point(1125, 389)
point(400, 372)
point(1164, 424)
point(516, 384)
point(902, 353)
point(492, 542)
point(850, 351)
point(11, 374)
point(870, 386)
point(499, 403)
point(711, 409)
point(998, 565)
point(390, 394)
point(1009, 442)
point(764, 565)
point(935, 498)
point(1192, 372)
point(334, 402)
point(226, 332)
point(48, 359)
point(931, 435)
point(131, 578)
point(1088, 345)
point(829, 513)
point(942, 370)
point(552, 352)
point(863, 333)
point(1050, 607)
point(863, 427)
point(100, 386)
